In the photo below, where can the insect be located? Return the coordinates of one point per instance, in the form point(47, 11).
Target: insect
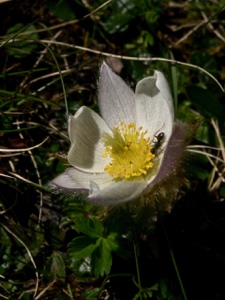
point(158, 143)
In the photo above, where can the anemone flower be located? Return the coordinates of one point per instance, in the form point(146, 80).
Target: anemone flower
point(134, 145)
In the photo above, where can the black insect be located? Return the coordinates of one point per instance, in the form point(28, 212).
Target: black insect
point(158, 143)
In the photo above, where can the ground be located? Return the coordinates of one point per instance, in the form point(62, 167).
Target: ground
point(50, 56)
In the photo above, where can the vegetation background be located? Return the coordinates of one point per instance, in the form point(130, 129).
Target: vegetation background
point(56, 247)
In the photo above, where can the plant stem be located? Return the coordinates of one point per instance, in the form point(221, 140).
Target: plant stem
point(173, 259)
point(137, 267)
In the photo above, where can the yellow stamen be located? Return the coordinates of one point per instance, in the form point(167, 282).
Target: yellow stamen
point(129, 150)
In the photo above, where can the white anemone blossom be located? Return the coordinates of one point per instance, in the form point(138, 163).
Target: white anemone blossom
point(128, 151)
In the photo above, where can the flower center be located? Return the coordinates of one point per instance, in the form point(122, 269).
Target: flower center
point(129, 150)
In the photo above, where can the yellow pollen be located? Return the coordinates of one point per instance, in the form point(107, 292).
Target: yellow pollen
point(129, 150)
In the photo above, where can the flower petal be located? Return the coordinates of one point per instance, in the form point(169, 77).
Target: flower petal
point(85, 129)
point(154, 105)
point(116, 99)
point(116, 193)
point(163, 86)
point(77, 181)
point(172, 154)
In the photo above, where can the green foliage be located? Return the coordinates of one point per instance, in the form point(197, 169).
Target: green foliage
point(222, 191)
point(93, 294)
point(124, 11)
point(205, 102)
point(62, 9)
point(205, 60)
point(27, 40)
point(80, 250)
point(159, 291)
point(127, 11)
point(15, 258)
point(97, 243)
point(55, 267)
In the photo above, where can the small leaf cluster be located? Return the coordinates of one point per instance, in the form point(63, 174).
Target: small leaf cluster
point(96, 243)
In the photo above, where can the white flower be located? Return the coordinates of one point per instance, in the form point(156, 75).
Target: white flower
point(133, 147)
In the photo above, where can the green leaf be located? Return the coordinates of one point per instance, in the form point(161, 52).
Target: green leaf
point(199, 167)
point(164, 288)
point(119, 20)
point(95, 245)
point(91, 227)
point(222, 191)
point(101, 259)
point(205, 60)
point(92, 294)
point(55, 266)
point(112, 241)
point(25, 46)
point(80, 267)
point(55, 235)
point(205, 102)
point(82, 247)
point(174, 77)
point(62, 9)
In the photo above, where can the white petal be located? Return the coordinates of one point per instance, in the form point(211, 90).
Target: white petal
point(172, 154)
point(116, 193)
point(163, 86)
point(116, 99)
point(75, 180)
point(85, 129)
point(154, 105)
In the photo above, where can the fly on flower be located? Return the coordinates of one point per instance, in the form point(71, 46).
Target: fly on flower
point(113, 157)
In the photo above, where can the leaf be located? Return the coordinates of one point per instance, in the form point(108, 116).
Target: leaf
point(55, 236)
point(174, 77)
point(119, 21)
point(91, 227)
point(97, 246)
point(205, 102)
point(25, 46)
point(199, 167)
point(222, 191)
point(112, 241)
point(55, 266)
point(62, 9)
point(101, 259)
point(164, 288)
point(205, 60)
point(92, 294)
point(82, 247)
